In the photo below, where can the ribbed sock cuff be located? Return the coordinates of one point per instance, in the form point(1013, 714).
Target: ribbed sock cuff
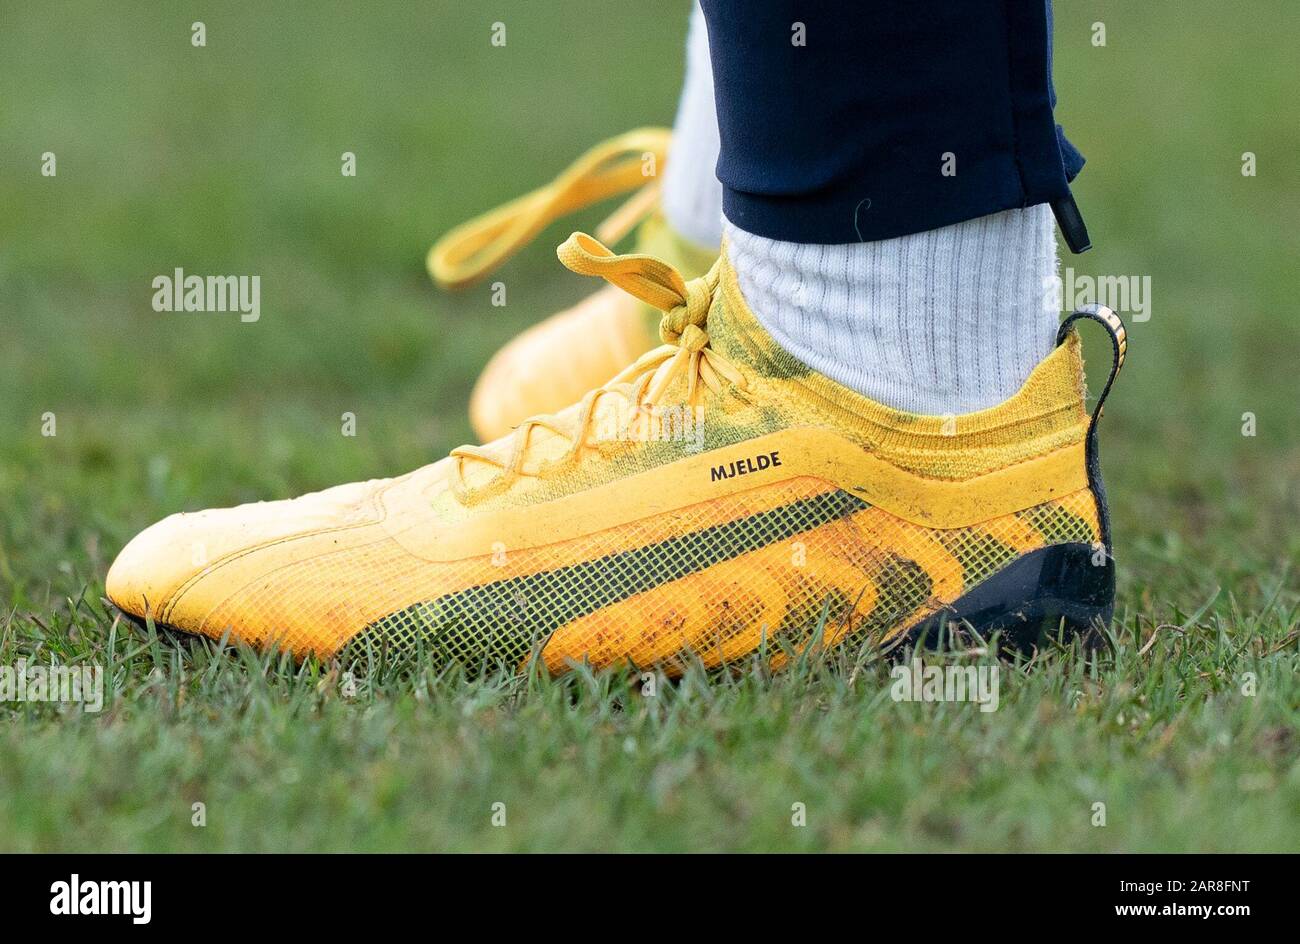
point(944, 321)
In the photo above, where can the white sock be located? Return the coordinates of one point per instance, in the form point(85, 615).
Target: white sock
point(692, 197)
point(946, 321)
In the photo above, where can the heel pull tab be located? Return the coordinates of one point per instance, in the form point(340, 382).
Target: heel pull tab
point(1119, 347)
point(1118, 342)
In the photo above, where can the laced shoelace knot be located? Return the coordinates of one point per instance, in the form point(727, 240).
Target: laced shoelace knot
point(646, 381)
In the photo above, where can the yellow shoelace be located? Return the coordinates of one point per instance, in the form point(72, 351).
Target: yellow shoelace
point(685, 351)
point(618, 165)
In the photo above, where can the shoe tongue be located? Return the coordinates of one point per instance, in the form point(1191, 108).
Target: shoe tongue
point(657, 238)
point(736, 334)
point(727, 326)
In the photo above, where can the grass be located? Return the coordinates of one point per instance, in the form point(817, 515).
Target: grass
point(226, 159)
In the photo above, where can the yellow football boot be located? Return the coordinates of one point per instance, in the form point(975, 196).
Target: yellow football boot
point(716, 497)
point(600, 335)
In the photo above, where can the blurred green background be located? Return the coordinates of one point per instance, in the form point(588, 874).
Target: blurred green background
point(226, 159)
